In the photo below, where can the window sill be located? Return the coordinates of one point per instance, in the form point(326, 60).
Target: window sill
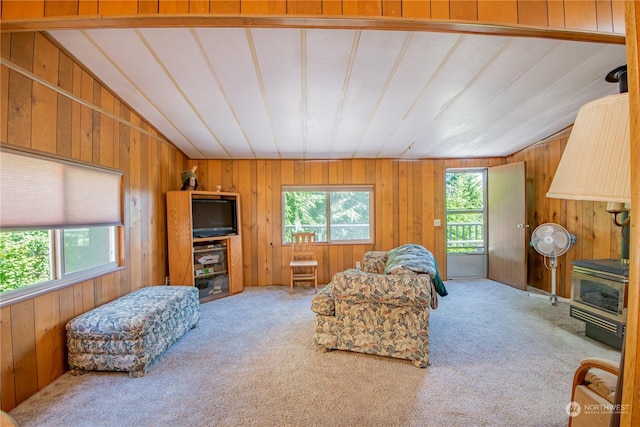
point(12, 297)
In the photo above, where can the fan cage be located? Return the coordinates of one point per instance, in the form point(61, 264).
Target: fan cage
point(551, 240)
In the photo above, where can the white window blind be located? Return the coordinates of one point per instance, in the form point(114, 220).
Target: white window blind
point(43, 192)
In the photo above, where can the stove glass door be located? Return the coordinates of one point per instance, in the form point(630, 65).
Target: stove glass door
point(598, 293)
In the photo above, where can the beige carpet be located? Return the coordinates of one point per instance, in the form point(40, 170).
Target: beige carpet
point(499, 358)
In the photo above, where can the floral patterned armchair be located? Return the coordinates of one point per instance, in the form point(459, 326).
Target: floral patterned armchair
point(371, 312)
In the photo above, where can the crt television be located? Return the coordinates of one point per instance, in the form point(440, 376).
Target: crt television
point(213, 217)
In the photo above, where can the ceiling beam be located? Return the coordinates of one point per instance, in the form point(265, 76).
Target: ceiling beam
point(386, 23)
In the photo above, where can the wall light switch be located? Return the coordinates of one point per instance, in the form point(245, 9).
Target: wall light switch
point(436, 223)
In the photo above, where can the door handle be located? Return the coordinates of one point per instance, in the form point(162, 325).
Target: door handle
point(521, 226)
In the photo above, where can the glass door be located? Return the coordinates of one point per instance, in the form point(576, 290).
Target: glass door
point(466, 223)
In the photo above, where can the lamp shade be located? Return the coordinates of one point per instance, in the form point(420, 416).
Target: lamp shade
point(595, 164)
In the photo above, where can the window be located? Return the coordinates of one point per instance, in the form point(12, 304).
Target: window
point(337, 214)
point(61, 225)
point(49, 257)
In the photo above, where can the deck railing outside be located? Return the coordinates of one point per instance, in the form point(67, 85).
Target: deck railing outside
point(356, 232)
point(461, 236)
point(465, 231)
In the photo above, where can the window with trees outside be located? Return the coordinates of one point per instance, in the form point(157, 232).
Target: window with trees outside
point(60, 225)
point(336, 214)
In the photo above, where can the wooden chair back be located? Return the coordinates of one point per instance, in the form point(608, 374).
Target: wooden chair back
point(303, 246)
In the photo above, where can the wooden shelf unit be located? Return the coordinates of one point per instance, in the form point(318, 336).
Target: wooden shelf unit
point(220, 274)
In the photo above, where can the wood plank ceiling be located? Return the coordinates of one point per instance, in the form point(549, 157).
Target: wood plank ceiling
point(267, 93)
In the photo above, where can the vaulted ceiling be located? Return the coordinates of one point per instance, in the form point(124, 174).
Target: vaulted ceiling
point(341, 93)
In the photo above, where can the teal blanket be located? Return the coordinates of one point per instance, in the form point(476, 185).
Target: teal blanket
point(417, 259)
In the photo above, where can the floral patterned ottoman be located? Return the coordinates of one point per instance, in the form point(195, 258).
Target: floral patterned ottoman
point(129, 333)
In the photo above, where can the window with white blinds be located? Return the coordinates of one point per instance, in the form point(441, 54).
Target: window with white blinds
point(43, 192)
point(60, 223)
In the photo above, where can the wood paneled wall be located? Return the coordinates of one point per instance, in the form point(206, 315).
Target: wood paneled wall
point(596, 235)
point(603, 16)
point(409, 195)
point(37, 117)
